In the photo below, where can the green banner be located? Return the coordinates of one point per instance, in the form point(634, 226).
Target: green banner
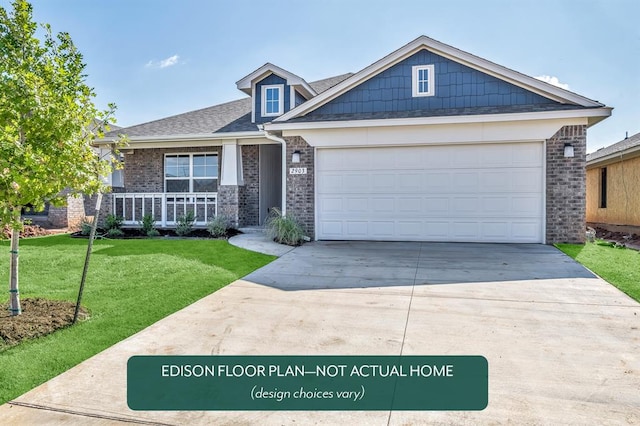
point(307, 383)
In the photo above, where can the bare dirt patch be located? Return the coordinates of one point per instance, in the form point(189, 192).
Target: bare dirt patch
point(626, 239)
point(27, 231)
point(39, 317)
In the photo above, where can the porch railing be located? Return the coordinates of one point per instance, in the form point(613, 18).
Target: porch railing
point(164, 207)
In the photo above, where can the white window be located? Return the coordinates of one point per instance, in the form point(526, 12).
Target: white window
point(191, 172)
point(272, 100)
point(424, 83)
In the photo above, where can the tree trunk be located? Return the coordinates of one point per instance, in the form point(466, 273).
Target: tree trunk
point(92, 236)
point(14, 298)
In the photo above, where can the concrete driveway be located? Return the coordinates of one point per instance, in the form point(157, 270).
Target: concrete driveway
point(563, 346)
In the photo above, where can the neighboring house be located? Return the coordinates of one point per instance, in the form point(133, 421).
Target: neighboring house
point(613, 182)
point(429, 143)
point(77, 207)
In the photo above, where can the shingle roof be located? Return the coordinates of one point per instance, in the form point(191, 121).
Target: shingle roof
point(234, 116)
point(619, 147)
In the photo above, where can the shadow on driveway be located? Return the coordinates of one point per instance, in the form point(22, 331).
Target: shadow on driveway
point(349, 264)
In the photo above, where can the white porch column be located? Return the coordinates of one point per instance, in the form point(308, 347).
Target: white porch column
point(231, 173)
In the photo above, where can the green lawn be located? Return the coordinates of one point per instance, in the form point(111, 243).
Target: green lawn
point(620, 267)
point(130, 285)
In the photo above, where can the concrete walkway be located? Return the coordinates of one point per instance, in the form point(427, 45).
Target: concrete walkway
point(255, 239)
point(563, 346)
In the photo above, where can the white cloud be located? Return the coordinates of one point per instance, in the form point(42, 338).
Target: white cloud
point(553, 80)
point(172, 60)
point(164, 63)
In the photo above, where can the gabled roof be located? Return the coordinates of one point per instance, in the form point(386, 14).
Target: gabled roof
point(630, 145)
point(542, 88)
point(229, 117)
point(246, 84)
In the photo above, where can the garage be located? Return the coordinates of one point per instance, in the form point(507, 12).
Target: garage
point(489, 192)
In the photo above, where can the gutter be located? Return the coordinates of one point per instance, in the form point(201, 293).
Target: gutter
point(284, 168)
point(593, 115)
point(185, 137)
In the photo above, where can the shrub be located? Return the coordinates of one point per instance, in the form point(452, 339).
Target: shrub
point(113, 222)
point(85, 227)
point(218, 226)
point(185, 224)
point(284, 229)
point(147, 224)
point(153, 233)
point(115, 233)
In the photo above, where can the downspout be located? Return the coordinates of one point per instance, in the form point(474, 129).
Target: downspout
point(284, 168)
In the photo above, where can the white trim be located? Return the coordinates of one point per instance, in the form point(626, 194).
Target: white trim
point(190, 177)
point(544, 192)
point(283, 144)
point(253, 102)
point(246, 85)
point(315, 194)
point(188, 136)
point(456, 133)
point(455, 119)
point(263, 100)
point(528, 83)
point(415, 83)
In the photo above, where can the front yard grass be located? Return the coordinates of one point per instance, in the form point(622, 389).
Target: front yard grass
point(618, 266)
point(130, 285)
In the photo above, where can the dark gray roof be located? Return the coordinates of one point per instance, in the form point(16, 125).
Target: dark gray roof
point(234, 116)
point(323, 85)
point(619, 147)
point(444, 112)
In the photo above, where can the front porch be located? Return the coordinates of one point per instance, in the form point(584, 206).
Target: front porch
point(165, 207)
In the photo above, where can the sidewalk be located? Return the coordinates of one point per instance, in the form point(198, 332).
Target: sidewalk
point(255, 239)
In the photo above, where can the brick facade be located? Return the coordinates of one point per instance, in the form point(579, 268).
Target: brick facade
point(69, 215)
point(565, 191)
point(566, 186)
point(144, 173)
point(300, 188)
point(144, 168)
point(249, 193)
point(228, 196)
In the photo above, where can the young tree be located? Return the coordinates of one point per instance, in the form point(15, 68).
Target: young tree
point(47, 123)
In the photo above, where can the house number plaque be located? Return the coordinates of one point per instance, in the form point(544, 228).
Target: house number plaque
point(297, 170)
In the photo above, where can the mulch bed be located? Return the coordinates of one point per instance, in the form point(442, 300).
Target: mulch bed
point(39, 317)
point(130, 233)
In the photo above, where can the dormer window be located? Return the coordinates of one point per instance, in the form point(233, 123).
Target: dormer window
point(423, 80)
point(272, 100)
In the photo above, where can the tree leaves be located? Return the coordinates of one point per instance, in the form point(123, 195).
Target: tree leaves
point(48, 120)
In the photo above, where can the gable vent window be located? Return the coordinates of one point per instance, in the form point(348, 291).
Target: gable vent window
point(424, 83)
point(272, 100)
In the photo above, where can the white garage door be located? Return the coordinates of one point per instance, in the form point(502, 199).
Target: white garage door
point(488, 193)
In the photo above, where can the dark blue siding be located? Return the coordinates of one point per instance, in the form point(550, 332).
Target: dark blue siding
point(267, 81)
point(456, 86)
point(300, 99)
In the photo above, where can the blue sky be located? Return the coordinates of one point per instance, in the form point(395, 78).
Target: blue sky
point(159, 58)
